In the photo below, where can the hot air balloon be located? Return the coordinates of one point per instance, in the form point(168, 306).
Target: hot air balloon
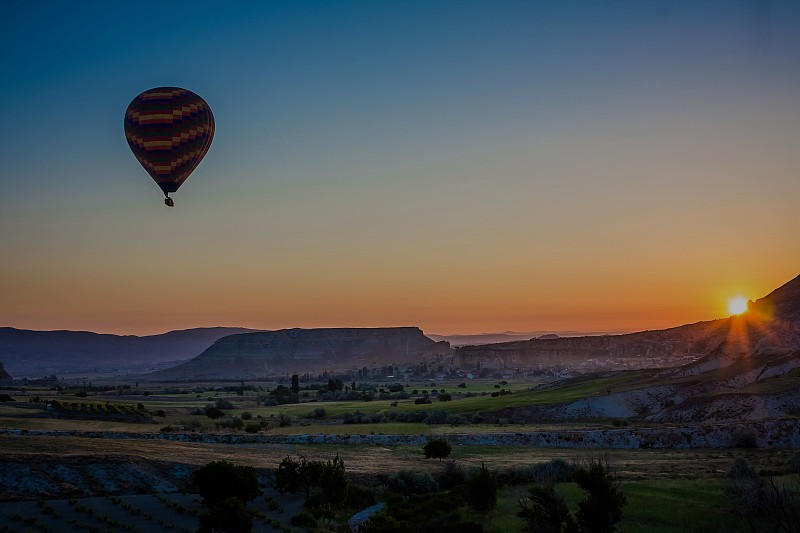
point(169, 130)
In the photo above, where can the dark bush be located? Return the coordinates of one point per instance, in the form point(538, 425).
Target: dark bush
point(544, 511)
point(481, 490)
point(601, 510)
point(229, 516)
point(408, 482)
point(451, 476)
point(219, 480)
point(744, 437)
point(437, 449)
point(304, 519)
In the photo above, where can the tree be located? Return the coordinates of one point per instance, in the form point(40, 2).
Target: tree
point(295, 383)
point(437, 449)
point(294, 476)
point(228, 516)
point(481, 490)
point(333, 482)
point(219, 480)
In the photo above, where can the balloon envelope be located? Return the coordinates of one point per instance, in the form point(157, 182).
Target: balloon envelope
point(169, 130)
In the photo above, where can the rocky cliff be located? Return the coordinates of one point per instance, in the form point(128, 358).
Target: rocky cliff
point(273, 353)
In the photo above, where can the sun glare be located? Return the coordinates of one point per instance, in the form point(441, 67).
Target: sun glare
point(737, 306)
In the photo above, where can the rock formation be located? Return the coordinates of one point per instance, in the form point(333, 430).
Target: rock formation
point(251, 355)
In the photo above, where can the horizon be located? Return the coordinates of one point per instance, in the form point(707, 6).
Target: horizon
point(465, 167)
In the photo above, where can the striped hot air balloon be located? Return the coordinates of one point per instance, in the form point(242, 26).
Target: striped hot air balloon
point(169, 130)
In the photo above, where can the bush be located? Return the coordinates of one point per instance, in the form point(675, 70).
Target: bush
point(247, 415)
point(551, 472)
point(219, 480)
point(229, 516)
point(744, 437)
point(333, 482)
point(437, 416)
point(222, 403)
point(452, 476)
point(252, 428)
point(764, 505)
point(294, 476)
point(317, 413)
point(304, 519)
point(481, 490)
point(437, 449)
point(544, 511)
point(601, 510)
point(408, 482)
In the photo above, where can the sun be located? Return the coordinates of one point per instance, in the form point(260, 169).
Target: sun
point(737, 306)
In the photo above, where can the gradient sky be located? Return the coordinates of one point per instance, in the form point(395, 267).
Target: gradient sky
point(460, 166)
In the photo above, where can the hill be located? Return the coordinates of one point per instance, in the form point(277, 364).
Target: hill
point(27, 353)
point(770, 321)
point(272, 353)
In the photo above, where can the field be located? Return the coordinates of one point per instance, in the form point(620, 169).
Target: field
point(667, 489)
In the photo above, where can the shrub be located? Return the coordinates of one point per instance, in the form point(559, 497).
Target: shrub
point(252, 428)
point(333, 482)
point(437, 449)
point(764, 505)
point(452, 475)
point(294, 476)
point(219, 480)
point(222, 403)
point(744, 437)
point(247, 415)
point(304, 519)
point(544, 511)
point(409, 482)
point(601, 510)
point(229, 516)
point(481, 490)
point(551, 472)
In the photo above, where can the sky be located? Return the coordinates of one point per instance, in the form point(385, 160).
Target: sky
point(461, 166)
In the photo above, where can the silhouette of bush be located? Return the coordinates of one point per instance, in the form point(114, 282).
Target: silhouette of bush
point(304, 519)
point(744, 437)
point(481, 490)
point(408, 482)
point(220, 480)
point(763, 504)
point(451, 476)
point(601, 510)
point(437, 449)
point(544, 511)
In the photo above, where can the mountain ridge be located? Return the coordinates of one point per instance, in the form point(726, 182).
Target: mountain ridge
point(31, 353)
